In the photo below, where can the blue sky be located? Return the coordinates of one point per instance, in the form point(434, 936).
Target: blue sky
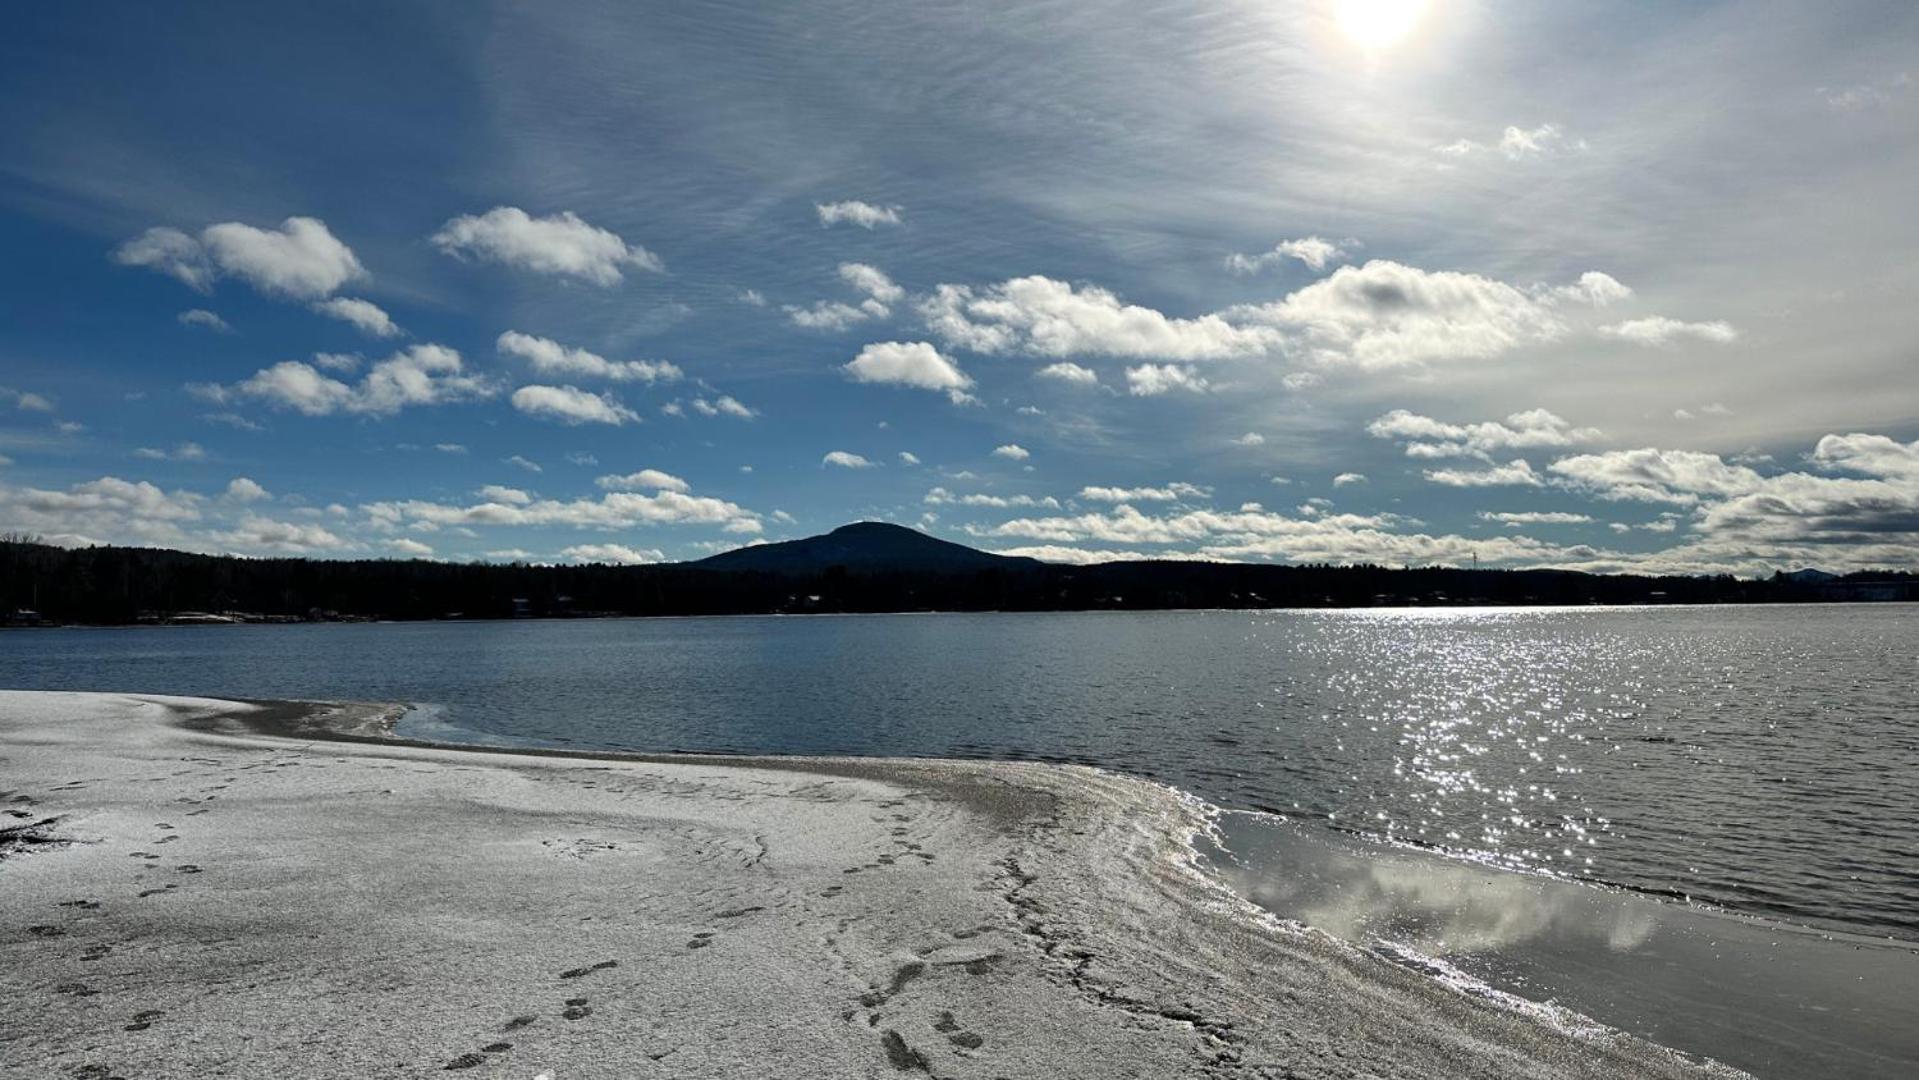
point(1626, 286)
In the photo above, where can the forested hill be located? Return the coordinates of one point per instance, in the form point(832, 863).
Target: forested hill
point(109, 585)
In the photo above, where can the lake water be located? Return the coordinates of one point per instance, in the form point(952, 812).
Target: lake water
point(1762, 759)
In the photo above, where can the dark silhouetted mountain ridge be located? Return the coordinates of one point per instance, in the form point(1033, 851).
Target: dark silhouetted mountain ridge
point(863, 546)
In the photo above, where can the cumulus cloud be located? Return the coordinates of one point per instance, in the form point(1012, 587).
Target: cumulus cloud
point(1347, 478)
point(1152, 380)
point(1385, 315)
point(529, 466)
point(615, 554)
point(1043, 317)
point(940, 496)
point(500, 493)
point(1012, 452)
point(186, 451)
point(1312, 251)
point(26, 400)
point(854, 212)
point(872, 281)
point(301, 260)
point(1512, 474)
point(846, 460)
point(1170, 493)
point(1252, 534)
point(363, 314)
point(723, 405)
point(1068, 372)
point(1251, 438)
point(1681, 477)
point(1658, 330)
point(908, 363)
point(1516, 518)
point(907, 457)
point(549, 357)
point(1425, 437)
point(1871, 455)
point(244, 489)
point(204, 319)
point(260, 534)
point(571, 405)
point(410, 547)
point(880, 291)
point(560, 245)
point(612, 510)
point(418, 375)
point(647, 479)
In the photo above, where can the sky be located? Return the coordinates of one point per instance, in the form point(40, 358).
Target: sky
point(1610, 286)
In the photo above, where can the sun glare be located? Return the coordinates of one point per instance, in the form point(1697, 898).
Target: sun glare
point(1379, 24)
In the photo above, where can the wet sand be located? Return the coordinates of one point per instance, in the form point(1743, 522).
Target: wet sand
point(195, 888)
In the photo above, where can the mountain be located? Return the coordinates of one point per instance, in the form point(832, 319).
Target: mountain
point(864, 546)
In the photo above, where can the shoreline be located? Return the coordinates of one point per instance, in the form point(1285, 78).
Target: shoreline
point(865, 916)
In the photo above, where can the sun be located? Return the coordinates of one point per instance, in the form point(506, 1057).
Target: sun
point(1379, 24)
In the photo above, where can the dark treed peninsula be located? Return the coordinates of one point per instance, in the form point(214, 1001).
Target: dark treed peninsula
point(864, 567)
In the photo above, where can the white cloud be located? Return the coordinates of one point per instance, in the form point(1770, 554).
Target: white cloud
point(613, 510)
point(907, 363)
point(244, 489)
point(449, 448)
point(1312, 251)
point(1170, 493)
point(723, 405)
point(203, 318)
point(1512, 474)
point(1262, 535)
point(1043, 317)
point(1068, 372)
point(1515, 519)
point(1152, 380)
point(1251, 438)
point(834, 315)
point(500, 493)
point(529, 466)
point(1425, 437)
point(908, 458)
point(1658, 330)
point(939, 496)
point(1012, 452)
point(186, 451)
point(364, 314)
point(872, 281)
point(411, 547)
point(1681, 477)
point(1520, 144)
point(549, 357)
point(571, 405)
point(880, 291)
point(650, 479)
point(342, 363)
point(260, 534)
point(300, 260)
point(1872, 455)
point(854, 212)
point(418, 375)
point(617, 554)
point(560, 244)
point(1384, 315)
point(170, 252)
point(25, 400)
point(845, 460)
point(1346, 478)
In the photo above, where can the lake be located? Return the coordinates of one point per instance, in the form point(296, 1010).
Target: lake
point(1761, 759)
